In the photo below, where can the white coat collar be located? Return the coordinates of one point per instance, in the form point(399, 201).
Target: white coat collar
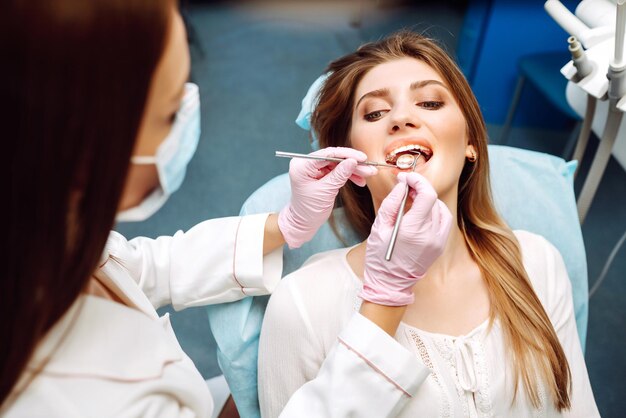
point(101, 338)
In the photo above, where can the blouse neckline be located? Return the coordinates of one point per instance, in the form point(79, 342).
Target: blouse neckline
point(437, 335)
point(476, 330)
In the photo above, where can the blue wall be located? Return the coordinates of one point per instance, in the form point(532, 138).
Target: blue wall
point(495, 34)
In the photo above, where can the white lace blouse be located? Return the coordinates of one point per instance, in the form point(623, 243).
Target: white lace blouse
point(469, 375)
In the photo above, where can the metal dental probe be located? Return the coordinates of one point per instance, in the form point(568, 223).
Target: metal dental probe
point(396, 227)
point(334, 159)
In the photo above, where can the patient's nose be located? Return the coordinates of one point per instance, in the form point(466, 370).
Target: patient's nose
point(404, 117)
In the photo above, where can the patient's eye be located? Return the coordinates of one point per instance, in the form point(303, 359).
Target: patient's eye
point(431, 104)
point(373, 116)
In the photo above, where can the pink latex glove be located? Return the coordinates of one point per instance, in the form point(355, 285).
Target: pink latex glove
point(421, 239)
point(314, 187)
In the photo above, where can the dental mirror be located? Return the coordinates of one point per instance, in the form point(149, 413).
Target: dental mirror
point(406, 161)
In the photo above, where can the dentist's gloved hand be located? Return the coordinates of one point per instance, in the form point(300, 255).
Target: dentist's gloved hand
point(314, 187)
point(421, 239)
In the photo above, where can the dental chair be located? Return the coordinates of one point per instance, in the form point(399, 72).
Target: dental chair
point(532, 191)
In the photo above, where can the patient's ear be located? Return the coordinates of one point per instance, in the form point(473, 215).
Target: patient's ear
point(470, 152)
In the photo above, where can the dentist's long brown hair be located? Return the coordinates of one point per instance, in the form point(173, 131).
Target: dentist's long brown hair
point(74, 81)
point(534, 346)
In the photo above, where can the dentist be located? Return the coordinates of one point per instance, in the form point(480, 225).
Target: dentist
point(101, 126)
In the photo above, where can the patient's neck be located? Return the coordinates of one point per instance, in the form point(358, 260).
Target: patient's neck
point(454, 253)
point(356, 259)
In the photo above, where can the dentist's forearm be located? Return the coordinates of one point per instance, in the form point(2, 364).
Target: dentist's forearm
point(272, 238)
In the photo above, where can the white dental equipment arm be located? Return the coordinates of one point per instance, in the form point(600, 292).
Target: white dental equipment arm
point(584, 67)
point(616, 90)
point(590, 70)
point(620, 26)
point(576, 27)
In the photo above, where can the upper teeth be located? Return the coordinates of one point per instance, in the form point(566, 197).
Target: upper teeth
point(393, 155)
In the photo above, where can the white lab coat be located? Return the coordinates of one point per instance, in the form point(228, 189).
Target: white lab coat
point(111, 360)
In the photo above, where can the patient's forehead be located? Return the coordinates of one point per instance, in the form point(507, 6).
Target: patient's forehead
point(396, 74)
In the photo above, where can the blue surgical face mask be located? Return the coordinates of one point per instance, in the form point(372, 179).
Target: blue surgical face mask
point(171, 158)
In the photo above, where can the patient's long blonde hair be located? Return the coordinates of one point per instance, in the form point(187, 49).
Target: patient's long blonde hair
point(535, 349)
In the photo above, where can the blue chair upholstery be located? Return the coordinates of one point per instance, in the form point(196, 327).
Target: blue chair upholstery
point(532, 191)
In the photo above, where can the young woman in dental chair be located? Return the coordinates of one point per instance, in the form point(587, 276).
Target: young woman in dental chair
point(491, 319)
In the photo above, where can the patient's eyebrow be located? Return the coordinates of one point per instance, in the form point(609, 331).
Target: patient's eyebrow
point(414, 86)
point(423, 83)
point(374, 93)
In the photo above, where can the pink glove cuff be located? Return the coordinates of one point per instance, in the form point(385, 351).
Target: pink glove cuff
point(386, 297)
point(287, 223)
point(388, 292)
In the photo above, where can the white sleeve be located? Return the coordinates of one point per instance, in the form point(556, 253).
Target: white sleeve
point(156, 406)
point(219, 260)
point(560, 309)
point(365, 373)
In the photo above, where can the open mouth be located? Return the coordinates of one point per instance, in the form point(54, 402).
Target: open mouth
point(395, 156)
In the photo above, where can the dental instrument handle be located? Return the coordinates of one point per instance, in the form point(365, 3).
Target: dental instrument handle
point(396, 226)
point(333, 159)
point(579, 58)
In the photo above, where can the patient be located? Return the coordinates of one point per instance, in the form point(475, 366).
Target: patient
point(492, 318)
